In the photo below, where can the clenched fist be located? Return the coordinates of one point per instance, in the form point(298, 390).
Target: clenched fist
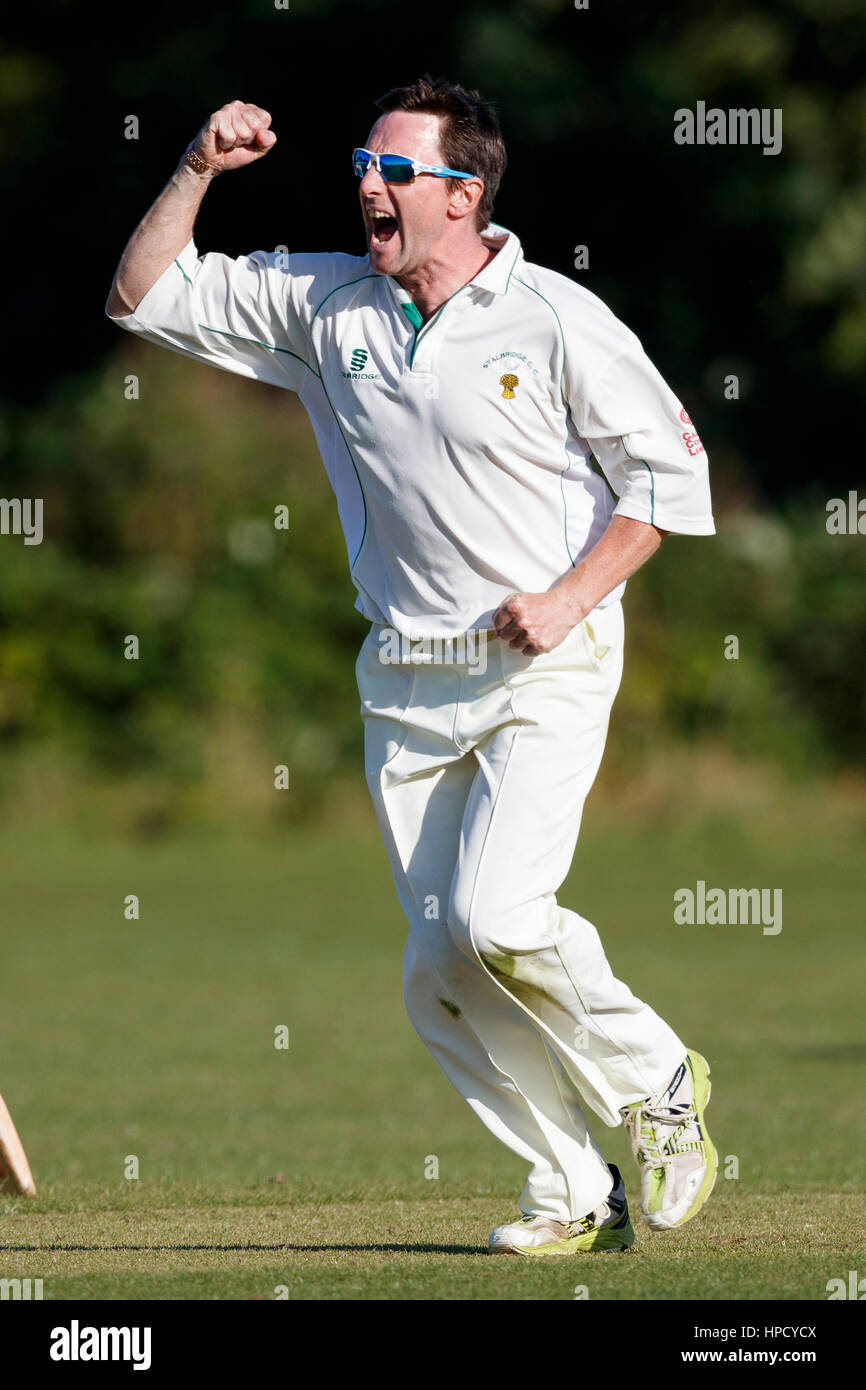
point(237, 134)
point(535, 623)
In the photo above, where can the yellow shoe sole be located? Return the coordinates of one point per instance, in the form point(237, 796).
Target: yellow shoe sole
point(605, 1240)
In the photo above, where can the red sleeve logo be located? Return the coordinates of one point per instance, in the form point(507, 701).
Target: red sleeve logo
point(692, 442)
point(691, 438)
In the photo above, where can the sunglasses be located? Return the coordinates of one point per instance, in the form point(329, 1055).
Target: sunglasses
point(396, 168)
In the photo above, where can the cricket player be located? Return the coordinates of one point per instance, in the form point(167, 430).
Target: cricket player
point(504, 456)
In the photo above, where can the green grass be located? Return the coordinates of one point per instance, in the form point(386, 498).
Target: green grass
point(304, 1168)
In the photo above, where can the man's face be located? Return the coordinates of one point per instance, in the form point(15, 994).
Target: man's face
point(417, 211)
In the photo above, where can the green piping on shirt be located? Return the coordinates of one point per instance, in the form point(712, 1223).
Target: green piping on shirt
point(344, 286)
point(511, 271)
point(559, 325)
point(600, 473)
point(354, 560)
point(652, 492)
point(565, 517)
point(565, 403)
point(271, 347)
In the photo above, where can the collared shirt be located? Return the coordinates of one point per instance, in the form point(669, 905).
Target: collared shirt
point(479, 454)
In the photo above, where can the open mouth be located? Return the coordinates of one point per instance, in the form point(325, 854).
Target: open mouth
point(384, 226)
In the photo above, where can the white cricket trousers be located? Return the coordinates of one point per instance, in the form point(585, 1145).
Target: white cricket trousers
point(479, 780)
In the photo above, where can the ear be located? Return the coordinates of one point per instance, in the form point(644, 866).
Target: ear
point(465, 197)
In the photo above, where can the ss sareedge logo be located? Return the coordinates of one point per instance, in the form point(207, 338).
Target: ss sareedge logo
point(357, 363)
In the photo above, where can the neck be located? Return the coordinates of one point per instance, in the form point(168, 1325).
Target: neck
point(442, 276)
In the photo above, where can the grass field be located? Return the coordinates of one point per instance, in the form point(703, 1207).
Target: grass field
point(304, 1169)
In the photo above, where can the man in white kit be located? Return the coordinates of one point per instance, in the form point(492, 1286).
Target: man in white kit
point(504, 455)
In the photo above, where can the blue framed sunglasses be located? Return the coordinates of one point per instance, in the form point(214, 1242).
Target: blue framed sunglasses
point(396, 168)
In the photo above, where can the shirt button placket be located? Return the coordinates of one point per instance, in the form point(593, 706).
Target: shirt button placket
point(426, 361)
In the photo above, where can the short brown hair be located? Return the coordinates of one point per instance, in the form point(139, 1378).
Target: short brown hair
point(469, 133)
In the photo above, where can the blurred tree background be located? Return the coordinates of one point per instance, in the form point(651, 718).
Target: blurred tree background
point(159, 511)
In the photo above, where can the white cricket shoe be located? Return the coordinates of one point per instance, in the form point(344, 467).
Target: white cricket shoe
point(606, 1228)
point(676, 1156)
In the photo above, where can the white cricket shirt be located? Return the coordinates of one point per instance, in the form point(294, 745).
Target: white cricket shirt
point(463, 452)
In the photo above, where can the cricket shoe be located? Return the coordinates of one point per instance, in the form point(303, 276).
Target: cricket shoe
point(675, 1154)
point(607, 1228)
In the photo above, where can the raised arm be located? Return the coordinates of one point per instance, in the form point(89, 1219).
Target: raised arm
point(236, 135)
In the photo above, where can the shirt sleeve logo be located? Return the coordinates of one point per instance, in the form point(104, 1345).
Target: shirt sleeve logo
point(509, 381)
point(691, 438)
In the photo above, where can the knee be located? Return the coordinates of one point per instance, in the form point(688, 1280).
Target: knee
point(482, 925)
point(478, 928)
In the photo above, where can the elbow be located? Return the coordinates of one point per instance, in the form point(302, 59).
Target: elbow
point(115, 307)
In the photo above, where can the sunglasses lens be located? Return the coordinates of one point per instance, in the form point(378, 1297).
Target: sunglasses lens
point(396, 169)
point(360, 162)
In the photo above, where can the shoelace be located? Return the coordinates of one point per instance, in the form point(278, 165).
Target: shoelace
point(640, 1126)
point(573, 1228)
